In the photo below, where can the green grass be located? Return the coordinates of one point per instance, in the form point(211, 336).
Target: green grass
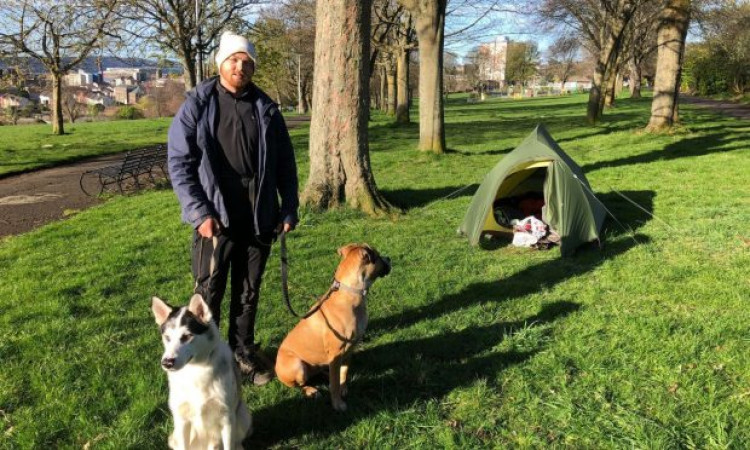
point(640, 345)
point(27, 147)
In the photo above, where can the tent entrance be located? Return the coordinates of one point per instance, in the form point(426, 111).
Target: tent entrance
point(520, 194)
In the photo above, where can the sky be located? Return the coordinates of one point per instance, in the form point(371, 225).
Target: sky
point(517, 27)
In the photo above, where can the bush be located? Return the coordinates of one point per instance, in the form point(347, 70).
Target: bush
point(95, 109)
point(129, 113)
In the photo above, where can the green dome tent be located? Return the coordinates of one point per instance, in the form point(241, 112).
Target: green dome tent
point(540, 166)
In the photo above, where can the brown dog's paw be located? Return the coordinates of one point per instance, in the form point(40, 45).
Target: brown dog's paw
point(310, 392)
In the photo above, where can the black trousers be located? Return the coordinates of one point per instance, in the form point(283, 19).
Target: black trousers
point(245, 255)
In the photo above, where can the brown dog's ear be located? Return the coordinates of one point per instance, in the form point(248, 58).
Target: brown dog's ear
point(343, 251)
point(160, 309)
point(367, 257)
point(200, 308)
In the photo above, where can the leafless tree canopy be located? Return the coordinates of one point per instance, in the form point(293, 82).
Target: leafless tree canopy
point(174, 25)
point(59, 35)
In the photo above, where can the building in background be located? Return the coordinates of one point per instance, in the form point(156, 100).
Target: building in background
point(492, 60)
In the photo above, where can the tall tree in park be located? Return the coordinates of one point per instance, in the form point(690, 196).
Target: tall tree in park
point(406, 42)
point(429, 20)
point(602, 25)
point(617, 15)
point(563, 56)
point(339, 153)
point(641, 44)
point(284, 37)
point(673, 25)
point(522, 61)
point(59, 35)
point(188, 28)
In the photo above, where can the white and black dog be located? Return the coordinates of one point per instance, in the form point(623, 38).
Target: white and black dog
point(204, 381)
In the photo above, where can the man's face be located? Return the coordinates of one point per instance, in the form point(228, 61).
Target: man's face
point(237, 71)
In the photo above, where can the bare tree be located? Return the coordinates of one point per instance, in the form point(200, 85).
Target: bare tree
point(563, 56)
point(673, 26)
point(72, 108)
point(602, 25)
point(12, 113)
point(388, 46)
point(189, 28)
point(406, 41)
point(162, 100)
point(429, 17)
point(640, 44)
point(339, 153)
point(59, 35)
point(300, 19)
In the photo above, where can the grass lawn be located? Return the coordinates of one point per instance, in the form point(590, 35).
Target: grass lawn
point(643, 344)
point(27, 147)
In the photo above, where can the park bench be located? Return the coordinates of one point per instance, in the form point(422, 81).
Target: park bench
point(134, 165)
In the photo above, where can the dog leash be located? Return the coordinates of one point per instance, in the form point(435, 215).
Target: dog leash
point(285, 280)
point(212, 262)
point(335, 286)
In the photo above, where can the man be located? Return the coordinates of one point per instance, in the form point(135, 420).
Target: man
point(232, 167)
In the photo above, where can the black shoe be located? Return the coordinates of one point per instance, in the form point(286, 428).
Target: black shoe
point(253, 367)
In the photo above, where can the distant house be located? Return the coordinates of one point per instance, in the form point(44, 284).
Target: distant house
point(11, 100)
point(121, 75)
point(99, 99)
point(79, 78)
point(492, 59)
point(574, 84)
point(128, 95)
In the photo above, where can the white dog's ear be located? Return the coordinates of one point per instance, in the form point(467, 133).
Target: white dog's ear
point(200, 308)
point(160, 309)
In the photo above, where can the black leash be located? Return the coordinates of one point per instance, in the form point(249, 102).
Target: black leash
point(335, 286)
point(285, 282)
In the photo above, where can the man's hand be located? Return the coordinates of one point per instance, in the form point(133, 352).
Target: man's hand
point(287, 227)
point(209, 228)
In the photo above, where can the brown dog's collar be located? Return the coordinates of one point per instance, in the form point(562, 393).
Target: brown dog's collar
point(337, 286)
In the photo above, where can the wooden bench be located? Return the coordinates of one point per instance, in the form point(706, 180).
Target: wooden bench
point(136, 163)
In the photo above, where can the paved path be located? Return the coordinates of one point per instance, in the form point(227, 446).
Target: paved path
point(737, 110)
point(35, 198)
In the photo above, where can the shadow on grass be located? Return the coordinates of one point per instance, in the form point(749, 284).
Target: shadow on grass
point(386, 379)
point(415, 198)
point(525, 282)
point(685, 148)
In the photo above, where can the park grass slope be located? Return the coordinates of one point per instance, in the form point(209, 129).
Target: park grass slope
point(642, 344)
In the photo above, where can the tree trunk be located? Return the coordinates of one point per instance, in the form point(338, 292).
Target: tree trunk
point(402, 86)
point(611, 39)
point(596, 97)
point(383, 92)
point(188, 66)
point(430, 23)
point(673, 25)
point(56, 106)
point(339, 153)
point(390, 74)
point(610, 92)
point(635, 79)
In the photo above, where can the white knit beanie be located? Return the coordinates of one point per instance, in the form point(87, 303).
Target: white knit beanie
point(230, 44)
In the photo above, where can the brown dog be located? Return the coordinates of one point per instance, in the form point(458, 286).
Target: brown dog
point(336, 323)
